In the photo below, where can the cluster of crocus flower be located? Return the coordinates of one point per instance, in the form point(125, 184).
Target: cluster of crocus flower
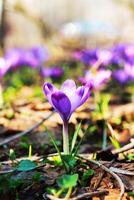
point(116, 56)
point(120, 59)
point(97, 77)
point(65, 101)
point(18, 57)
point(53, 72)
point(35, 58)
point(93, 56)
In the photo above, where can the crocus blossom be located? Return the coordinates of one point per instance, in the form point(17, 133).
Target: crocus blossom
point(65, 101)
point(97, 77)
point(68, 98)
point(89, 57)
point(125, 74)
point(33, 57)
point(53, 72)
point(122, 53)
point(40, 53)
point(129, 69)
point(4, 66)
point(104, 56)
point(121, 76)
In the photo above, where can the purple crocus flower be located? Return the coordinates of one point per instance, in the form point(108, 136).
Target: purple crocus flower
point(104, 56)
point(65, 101)
point(97, 77)
point(129, 70)
point(77, 55)
point(89, 57)
point(20, 57)
point(122, 53)
point(33, 57)
point(53, 72)
point(125, 74)
point(128, 54)
point(4, 66)
point(40, 53)
point(14, 56)
point(121, 76)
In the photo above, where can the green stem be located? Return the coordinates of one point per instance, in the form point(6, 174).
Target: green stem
point(57, 194)
point(65, 138)
point(104, 140)
point(30, 152)
point(68, 193)
point(96, 97)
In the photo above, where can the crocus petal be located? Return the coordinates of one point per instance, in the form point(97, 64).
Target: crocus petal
point(85, 93)
point(80, 96)
point(48, 89)
point(101, 78)
point(129, 69)
point(62, 104)
point(68, 87)
point(98, 78)
point(4, 66)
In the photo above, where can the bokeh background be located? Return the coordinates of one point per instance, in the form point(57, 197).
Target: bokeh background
point(32, 22)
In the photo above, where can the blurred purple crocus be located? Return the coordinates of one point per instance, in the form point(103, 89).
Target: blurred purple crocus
point(40, 53)
point(129, 69)
point(122, 53)
point(65, 101)
point(104, 56)
point(121, 76)
point(89, 57)
point(33, 57)
point(4, 66)
point(125, 74)
point(129, 54)
point(53, 72)
point(97, 77)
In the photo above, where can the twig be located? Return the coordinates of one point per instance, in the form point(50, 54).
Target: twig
point(90, 194)
point(124, 148)
point(6, 172)
point(121, 171)
point(14, 137)
point(82, 196)
point(122, 188)
point(51, 197)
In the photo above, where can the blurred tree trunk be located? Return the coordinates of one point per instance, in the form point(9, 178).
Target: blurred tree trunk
point(2, 25)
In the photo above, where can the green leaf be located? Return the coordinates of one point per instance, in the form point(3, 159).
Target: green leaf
point(36, 177)
point(54, 143)
point(79, 143)
point(15, 183)
point(57, 160)
point(102, 104)
point(70, 161)
point(131, 156)
point(115, 142)
point(86, 176)
point(56, 147)
point(12, 155)
point(131, 194)
point(75, 136)
point(67, 181)
point(26, 165)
